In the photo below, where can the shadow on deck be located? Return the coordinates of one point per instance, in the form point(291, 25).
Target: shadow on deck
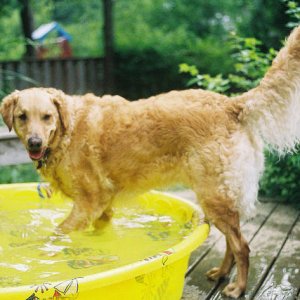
point(274, 236)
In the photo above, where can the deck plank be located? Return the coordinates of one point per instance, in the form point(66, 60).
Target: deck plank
point(283, 280)
point(265, 248)
point(196, 280)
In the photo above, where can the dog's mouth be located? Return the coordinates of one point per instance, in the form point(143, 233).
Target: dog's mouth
point(37, 154)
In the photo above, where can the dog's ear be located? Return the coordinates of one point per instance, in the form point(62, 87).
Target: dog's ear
point(60, 101)
point(7, 108)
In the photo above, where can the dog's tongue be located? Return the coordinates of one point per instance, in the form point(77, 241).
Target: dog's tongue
point(36, 155)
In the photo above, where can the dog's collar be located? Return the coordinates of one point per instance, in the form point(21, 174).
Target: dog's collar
point(43, 161)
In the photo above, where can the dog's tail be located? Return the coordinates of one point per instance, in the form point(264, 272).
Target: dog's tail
point(273, 108)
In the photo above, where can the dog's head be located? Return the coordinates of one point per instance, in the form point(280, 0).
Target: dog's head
point(37, 115)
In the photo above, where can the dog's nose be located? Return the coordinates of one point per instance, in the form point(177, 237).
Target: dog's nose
point(34, 143)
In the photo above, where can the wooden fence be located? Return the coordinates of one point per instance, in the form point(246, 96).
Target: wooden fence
point(72, 75)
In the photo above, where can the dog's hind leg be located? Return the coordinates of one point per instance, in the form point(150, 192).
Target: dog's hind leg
point(220, 272)
point(222, 213)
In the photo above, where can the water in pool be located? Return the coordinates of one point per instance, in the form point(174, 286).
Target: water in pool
point(31, 254)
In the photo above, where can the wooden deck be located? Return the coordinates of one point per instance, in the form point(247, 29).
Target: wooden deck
point(274, 236)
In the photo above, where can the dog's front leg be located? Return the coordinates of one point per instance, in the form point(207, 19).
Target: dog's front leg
point(88, 207)
point(78, 219)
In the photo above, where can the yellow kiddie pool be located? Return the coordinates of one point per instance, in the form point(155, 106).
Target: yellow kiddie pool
point(142, 253)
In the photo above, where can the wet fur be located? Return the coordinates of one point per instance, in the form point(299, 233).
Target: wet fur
point(104, 147)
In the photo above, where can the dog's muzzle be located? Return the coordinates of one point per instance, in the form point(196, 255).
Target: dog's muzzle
point(36, 152)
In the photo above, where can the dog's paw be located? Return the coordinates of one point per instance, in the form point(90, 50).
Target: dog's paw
point(214, 274)
point(233, 290)
point(69, 226)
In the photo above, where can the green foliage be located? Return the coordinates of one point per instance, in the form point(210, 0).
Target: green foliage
point(150, 69)
point(264, 20)
point(200, 17)
point(155, 40)
point(250, 65)
point(293, 12)
point(12, 42)
point(137, 70)
point(212, 83)
point(139, 23)
point(20, 173)
point(281, 177)
point(251, 62)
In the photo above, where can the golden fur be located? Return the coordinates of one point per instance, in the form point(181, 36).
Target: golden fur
point(94, 149)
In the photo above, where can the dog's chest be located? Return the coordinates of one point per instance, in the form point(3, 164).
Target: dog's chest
point(59, 176)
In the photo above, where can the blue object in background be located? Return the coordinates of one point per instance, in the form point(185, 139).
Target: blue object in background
point(41, 32)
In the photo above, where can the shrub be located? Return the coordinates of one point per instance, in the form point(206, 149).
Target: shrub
point(151, 69)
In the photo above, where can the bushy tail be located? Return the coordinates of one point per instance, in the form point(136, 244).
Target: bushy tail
point(273, 108)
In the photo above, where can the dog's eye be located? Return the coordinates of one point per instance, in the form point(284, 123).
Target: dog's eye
point(46, 117)
point(23, 117)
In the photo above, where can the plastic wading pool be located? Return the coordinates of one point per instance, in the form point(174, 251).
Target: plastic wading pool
point(141, 254)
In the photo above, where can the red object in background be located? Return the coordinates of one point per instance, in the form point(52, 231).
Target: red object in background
point(41, 52)
point(63, 44)
point(66, 48)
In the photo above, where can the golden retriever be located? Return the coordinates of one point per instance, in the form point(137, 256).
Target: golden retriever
point(93, 149)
